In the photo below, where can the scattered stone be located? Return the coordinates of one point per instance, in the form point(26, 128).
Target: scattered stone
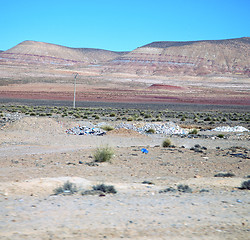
point(70, 163)
point(204, 190)
point(161, 128)
point(230, 129)
point(148, 182)
point(198, 148)
point(240, 155)
point(9, 118)
point(84, 130)
point(92, 164)
point(15, 162)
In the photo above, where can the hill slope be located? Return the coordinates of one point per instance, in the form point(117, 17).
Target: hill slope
point(192, 58)
point(40, 52)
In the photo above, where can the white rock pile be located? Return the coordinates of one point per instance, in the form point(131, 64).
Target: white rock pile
point(161, 128)
point(84, 130)
point(230, 129)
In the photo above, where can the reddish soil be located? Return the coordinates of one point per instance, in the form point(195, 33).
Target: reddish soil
point(164, 86)
point(167, 94)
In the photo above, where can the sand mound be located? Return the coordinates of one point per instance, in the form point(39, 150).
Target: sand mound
point(35, 124)
point(124, 132)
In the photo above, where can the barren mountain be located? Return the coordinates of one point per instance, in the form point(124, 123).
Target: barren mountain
point(199, 58)
point(32, 52)
point(190, 58)
point(215, 72)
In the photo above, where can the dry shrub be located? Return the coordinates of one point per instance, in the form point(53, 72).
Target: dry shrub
point(166, 143)
point(103, 154)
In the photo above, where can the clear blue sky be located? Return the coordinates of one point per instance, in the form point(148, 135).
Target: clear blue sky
point(121, 24)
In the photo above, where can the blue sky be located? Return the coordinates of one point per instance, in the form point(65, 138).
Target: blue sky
point(121, 25)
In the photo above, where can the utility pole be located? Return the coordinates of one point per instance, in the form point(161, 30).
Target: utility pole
point(74, 103)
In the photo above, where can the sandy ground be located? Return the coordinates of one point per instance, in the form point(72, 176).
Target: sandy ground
point(36, 156)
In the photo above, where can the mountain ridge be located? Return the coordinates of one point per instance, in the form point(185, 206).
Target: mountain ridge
point(166, 44)
point(228, 56)
point(35, 49)
point(203, 57)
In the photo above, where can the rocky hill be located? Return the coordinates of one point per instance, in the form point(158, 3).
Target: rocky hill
point(32, 52)
point(230, 56)
point(191, 58)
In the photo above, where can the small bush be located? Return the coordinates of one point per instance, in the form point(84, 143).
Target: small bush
point(107, 128)
point(169, 189)
point(245, 185)
point(95, 116)
point(194, 131)
point(208, 119)
point(67, 188)
point(150, 131)
point(220, 135)
point(129, 119)
point(147, 116)
point(180, 188)
point(184, 188)
point(183, 119)
point(224, 175)
point(166, 143)
point(103, 154)
point(77, 115)
point(105, 188)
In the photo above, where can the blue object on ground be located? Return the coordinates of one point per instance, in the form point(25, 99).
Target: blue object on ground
point(144, 150)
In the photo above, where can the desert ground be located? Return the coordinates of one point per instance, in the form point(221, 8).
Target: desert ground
point(37, 156)
point(191, 189)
